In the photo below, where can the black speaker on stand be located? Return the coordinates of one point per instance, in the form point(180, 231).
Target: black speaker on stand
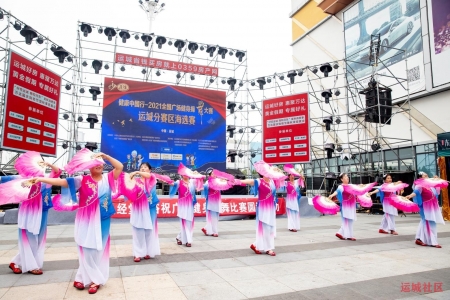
point(378, 103)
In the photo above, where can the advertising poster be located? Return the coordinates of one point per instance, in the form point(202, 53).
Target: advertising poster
point(398, 24)
point(286, 129)
point(163, 125)
point(30, 121)
point(439, 25)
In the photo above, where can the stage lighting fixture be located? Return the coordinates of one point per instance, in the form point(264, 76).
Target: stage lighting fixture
point(61, 54)
point(95, 91)
point(353, 156)
point(82, 90)
point(339, 148)
point(136, 37)
point(64, 145)
point(231, 129)
point(1, 15)
point(223, 81)
point(252, 83)
point(372, 83)
point(65, 116)
point(170, 43)
point(84, 63)
point(253, 154)
point(100, 30)
point(144, 71)
point(158, 73)
point(17, 25)
point(69, 58)
point(80, 119)
point(125, 35)
point(291, 75)
point(179, 75)
point(192, 47)
point(160, 40)
point(146, 39)
point(253, 106)
point(240, 155)
point(106, 67)
point(241, 84)
point(240, 107)
point(327, 95)
point(329, 148)
point(241, 130)
point(29, 34)
point(122, 68)
point(335, 65)
point(240, 55)
point(86, 29)
point(328, 121)
point(231, 105)
point(252, 130)
point(179, 44)
point(222, 52)
point(269, 80)
point(281, 77)
point(299, 72)
point(68, 86)
point(232, 155)
point(192, 77)
point(375, 146)
point(91, 145)
point(325, 69)
point(231, 82)
point(261, 81)
point(314, 70)
point(40, 41)
point(211, 80)
point(110, 32)
point(202, 48)
point(91, 119)
point(210, 49)
point(338, 120)
point(78, 148)
point(97, 65)
point(337, 92)
point(231, 53)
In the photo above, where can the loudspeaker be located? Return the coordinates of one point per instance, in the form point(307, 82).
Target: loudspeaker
point(378, 105)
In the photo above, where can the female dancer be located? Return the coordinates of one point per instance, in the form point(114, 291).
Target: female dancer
point(293, 198)
point(390, 212)
point(186, 200)
point(32, 223)
point(348, 209)
point(92, 221)
point(427, 199)
point(213, 201)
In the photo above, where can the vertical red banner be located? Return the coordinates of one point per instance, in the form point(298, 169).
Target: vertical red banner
point(31, 107)
point(286, 129)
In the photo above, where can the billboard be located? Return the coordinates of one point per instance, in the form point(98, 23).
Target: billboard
point(163, 125)
point(286, 129)
point(439, 25)
point(398, 24)
point(30, 120)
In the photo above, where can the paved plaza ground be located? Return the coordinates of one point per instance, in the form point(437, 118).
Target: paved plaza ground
point(310, 264)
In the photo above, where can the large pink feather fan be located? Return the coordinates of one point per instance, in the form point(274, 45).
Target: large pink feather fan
point(266, 170)
point(393, 187)
point(163, 178)
point(325, 205)
point(358, 189)
point(219, 184)
point(198, 184)
point(83, 160)
point(222, 175)
point(116, 190)
point(183, 170)
point(30, 164)
point(404, 204)
point(127, 186)
point(431, 182)
point(19, 190)
point(149, 183)
point(58, 205)
point(365, 200)
point(290, 170)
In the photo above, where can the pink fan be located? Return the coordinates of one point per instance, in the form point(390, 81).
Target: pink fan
point(83, 160)
point(163, 178)
point(58, 205)
point(358, 189)
point(290, 169)
point(219, 184)
point(18, 190)
point(325, 205)
point(222, 175)
point(431, 182)
point(404, 204)
point(269, 171)
point(149, 183)
point(393, 187)
point(116, 191)
point(183, 170)
point(30, 164)
point(365, 200)
point(127, 186)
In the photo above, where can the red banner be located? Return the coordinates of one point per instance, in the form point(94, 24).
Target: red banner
point(156, 63)
point(168, 208)
point(286, 130)
point(31, 107)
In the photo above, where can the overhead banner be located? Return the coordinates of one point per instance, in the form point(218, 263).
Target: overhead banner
point(286, 129)
point(30, 120)
point(399, 25)
point(439, 16)
point(163, 125)
point(443, 141)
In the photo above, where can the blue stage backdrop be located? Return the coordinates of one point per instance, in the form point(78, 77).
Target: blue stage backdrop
point(163, 125)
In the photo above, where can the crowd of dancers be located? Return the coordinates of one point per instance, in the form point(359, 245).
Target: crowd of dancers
point(91, 196)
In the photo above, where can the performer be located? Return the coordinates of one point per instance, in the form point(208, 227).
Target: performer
point(93, 219)
point(293, 196)
point(213, 202)
point(427, 200)
point(32, 223)
point(186, 200)
point(390, 212)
